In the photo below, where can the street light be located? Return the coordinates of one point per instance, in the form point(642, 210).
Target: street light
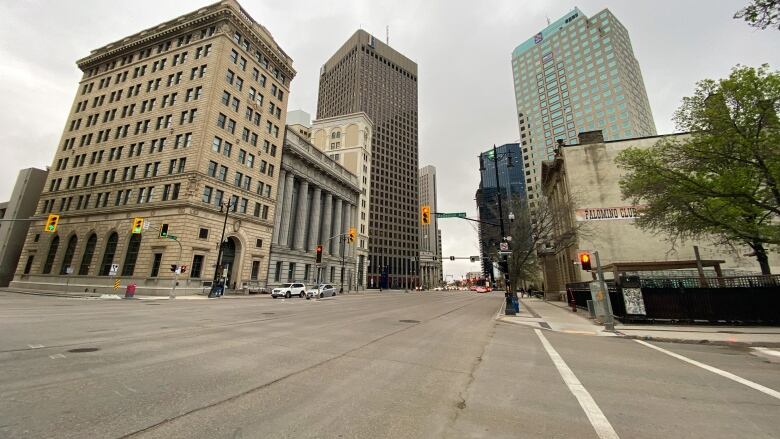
point(503, 264)
point(214, 284)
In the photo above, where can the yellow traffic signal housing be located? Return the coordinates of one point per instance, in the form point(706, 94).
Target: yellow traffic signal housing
point(138, 225)
point(319, 253)
point(51, 223)
point(585, 260)
point(352, 234)
point(426, 215)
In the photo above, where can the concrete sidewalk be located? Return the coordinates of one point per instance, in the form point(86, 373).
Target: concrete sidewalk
point(557, 316)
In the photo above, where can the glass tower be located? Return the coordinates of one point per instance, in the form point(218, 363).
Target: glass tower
point(577, 74)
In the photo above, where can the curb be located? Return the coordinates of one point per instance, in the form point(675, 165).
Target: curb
point(745, 344)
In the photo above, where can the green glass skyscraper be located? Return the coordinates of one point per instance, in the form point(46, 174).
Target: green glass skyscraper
point(577, 74)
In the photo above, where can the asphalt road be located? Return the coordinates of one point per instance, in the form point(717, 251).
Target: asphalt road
point(390, 365)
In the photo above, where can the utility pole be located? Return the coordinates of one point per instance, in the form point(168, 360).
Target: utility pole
point(609, 323)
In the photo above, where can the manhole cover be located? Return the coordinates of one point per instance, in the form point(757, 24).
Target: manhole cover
point(409, 321)
point(269, 313)
point(82, 350)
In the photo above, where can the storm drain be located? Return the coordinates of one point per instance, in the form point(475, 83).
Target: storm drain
point(409, 321)
point(83, 350)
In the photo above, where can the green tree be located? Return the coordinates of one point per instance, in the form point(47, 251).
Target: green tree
point(761, 13)
point(721, 181)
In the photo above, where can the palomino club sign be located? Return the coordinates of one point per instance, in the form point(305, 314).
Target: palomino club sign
point(608, 213)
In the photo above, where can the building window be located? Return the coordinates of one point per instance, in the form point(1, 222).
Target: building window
point(108, 254)
point(255, 269)
point(306, 269)
point(197, 266)
point(69, 251)
point(278, 272)
point(55, 242)
point(89, 252)
point(131, 256)
point(156, 265)
point(203, 233)
point(28, 265)
point(290, 271)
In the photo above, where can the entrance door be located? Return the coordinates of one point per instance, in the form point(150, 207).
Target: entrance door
point(228, 259)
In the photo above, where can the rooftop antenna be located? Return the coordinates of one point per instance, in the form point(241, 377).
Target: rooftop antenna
point(387, 34)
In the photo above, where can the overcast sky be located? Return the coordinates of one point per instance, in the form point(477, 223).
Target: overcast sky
point(462, 50)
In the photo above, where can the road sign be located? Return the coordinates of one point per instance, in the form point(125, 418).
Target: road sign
point(503, 246)
point(451, 215)
point(114, 269)
point(116, 283)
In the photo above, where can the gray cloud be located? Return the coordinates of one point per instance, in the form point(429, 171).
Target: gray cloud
point(462, 48)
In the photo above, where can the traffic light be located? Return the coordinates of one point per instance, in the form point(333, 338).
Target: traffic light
point(452, 258)
point(173, 267)
point(51, 223)
point(138, 225)
point(183, 268)
point(426, 215)
point(585, 260)
point(164, 231)
point(319, 254)
point(352, 233)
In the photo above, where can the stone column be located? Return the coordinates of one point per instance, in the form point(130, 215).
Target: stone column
point(302, 215)
point(326, 214)
point(284, 232)
point(314, 222)
point(278, 207)
point(335, 243)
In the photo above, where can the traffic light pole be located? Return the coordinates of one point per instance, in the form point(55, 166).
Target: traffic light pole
point(609, 324)
point(176, 272)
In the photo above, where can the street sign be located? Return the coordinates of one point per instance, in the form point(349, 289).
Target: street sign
point(503, 246)
point(69, 270)
point(114, 269)
point(451, 215)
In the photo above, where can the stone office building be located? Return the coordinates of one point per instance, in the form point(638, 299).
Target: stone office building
point(318, 201)
point(169, 124)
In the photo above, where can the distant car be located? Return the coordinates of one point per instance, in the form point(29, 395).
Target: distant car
point(473, 288)
point(322, 290)
point(289, 290)
point(482, 290)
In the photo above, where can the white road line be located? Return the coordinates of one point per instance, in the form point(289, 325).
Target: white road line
point(596, 417)
point(723, 373)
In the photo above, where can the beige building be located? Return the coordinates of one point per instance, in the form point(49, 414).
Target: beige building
point(170, 124)
point(582, 182)
point(22, 205)
point(430, 256)
point(347, 140)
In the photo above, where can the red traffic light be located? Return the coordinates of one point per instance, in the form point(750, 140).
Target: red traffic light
point(585, 260)
point(319, 254)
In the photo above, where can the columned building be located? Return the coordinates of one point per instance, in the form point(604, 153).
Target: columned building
point(176, 124)
point(366, 75)
point(318, 204)
point(23, 204)
point(347, 140)
point(430, 255)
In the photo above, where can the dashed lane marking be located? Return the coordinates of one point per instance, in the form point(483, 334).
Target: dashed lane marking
point(715, 370)
point(596, 417)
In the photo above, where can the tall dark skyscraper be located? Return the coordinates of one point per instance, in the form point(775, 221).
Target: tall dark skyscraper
point(512, 188)
point(368, 75)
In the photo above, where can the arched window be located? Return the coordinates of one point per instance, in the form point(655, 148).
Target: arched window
point(108, 255)
point(55, 242)
point(89, 252)
point(69, 251)
point(132, 255)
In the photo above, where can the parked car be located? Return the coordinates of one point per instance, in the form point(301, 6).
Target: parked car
point(289, 290)
point(482, 290)
point(322, 290)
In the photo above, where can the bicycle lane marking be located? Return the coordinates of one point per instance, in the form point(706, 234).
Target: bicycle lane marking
point(715, 370)
point(596, 417)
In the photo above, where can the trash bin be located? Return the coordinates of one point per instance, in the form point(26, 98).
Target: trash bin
point(130, 291)
point(515, 301)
